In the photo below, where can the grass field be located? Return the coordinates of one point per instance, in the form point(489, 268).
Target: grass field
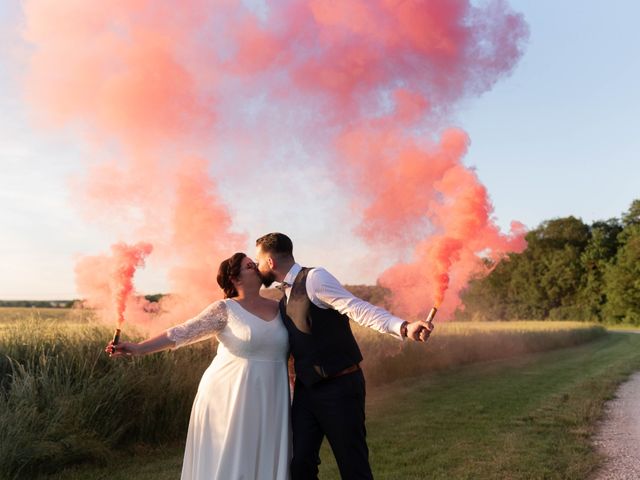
point(62, 402)
point(529, 417)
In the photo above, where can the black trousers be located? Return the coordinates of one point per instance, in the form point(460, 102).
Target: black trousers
point(333, 408)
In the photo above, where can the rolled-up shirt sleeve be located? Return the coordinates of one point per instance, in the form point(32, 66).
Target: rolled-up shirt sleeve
point(325, 291)
point(208, 323)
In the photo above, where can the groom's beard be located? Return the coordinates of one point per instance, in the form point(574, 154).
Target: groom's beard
point(267, 278)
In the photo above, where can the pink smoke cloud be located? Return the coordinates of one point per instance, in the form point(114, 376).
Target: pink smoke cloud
point(369, 83)
point(122, 76)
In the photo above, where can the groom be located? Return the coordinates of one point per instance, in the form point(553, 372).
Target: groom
point(329, 390)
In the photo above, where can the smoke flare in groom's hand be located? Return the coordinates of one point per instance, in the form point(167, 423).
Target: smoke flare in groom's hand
point(429, 322)
point(432, 314)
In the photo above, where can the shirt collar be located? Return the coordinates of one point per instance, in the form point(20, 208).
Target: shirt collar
point(292, 274)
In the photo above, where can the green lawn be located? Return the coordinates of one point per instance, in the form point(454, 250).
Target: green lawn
point(528, 417)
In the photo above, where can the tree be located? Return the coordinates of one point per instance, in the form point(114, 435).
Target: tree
point(556, 272)
point(632, 216)
point(622, 276)
point(559, 232)
point(569, 270)
point(595, 259)
point(543, 280)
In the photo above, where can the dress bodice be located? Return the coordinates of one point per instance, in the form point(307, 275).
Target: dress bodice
point(240, 333)
point(249, 336)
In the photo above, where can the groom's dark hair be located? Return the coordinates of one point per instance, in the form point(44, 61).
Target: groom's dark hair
point(276, 243)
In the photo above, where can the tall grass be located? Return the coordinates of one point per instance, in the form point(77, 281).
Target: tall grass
point(63, 401)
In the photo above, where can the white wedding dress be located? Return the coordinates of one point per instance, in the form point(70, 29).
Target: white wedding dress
point(239, 427)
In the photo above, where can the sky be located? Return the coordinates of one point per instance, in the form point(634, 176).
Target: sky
point(559, 136)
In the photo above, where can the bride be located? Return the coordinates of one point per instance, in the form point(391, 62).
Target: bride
point(239, 426)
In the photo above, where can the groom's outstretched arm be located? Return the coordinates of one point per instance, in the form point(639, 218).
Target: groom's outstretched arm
point(325, 291)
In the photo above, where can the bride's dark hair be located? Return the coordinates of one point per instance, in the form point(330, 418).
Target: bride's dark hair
point(230, 270)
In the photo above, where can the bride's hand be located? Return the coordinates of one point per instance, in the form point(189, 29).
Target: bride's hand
point(419, 330)
point(121, 349)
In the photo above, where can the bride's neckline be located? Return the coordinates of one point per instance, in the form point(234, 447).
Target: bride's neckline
point(251, 313)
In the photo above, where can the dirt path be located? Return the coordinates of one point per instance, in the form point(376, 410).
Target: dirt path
point(618, 436)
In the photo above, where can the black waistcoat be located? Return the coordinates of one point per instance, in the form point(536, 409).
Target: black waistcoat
point(320, 339)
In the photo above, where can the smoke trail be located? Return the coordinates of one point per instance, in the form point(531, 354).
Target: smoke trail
point(420, 195)
point(106, 281)
point(370, 84)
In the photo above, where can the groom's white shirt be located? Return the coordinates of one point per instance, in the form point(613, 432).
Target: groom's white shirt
point(324, 291)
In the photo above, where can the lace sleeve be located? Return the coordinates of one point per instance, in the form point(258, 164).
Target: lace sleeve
point(206, 324)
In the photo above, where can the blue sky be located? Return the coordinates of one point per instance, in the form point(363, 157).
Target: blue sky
point(561, 135)
point(558, 137)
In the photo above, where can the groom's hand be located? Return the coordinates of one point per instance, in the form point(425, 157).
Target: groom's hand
point(419, 330)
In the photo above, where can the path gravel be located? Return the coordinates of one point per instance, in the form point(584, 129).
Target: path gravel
point(618, 436)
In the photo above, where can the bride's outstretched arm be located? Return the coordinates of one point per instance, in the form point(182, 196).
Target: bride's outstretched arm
point(151, 345)
point(206, 324)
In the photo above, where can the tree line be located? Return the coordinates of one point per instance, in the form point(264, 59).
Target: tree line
point(569, 271)
point(37, 303)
